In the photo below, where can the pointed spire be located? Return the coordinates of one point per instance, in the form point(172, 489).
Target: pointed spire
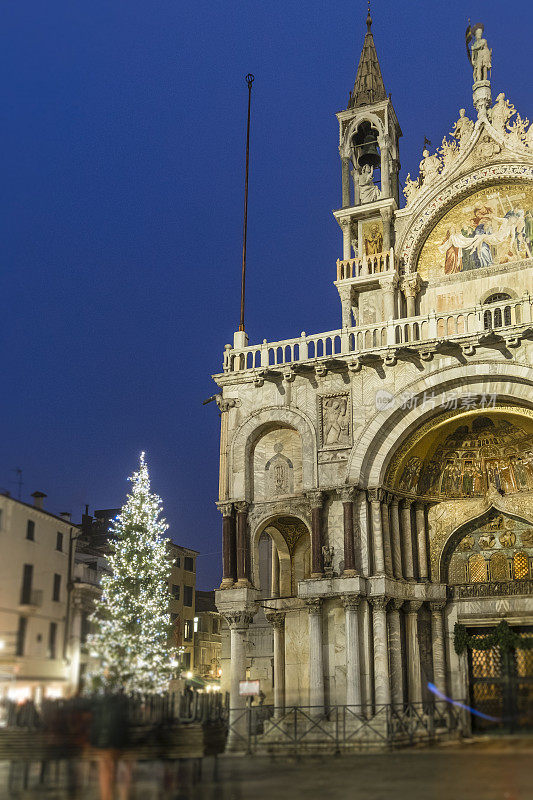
point(369, 86)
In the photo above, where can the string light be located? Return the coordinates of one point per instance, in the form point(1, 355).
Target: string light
point(131, 621)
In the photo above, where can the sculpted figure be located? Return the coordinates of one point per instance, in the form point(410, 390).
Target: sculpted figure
point(463, 128)
point(411, 188)
point(481, 55)
point(368, 191)
point(430, 167)
point(501, 113)
point(336, 420)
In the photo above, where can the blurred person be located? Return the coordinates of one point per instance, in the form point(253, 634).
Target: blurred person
point(109, 735)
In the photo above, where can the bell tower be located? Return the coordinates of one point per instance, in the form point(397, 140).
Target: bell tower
point(367, 277)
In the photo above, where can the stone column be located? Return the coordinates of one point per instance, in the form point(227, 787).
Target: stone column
point(242, 544)
point(395, 650)
point(388, 287)
point(229, 567)
point(274, 574)
point(386, 216)
point(385, 524)
point(316, 660)
point(346, 494)
point(345, 294)
point(396, 540)
point(410, 287)
point(353, 666)
point(384, 145)
point(346, 239)
point(238, 622)
point(277, 619)
point(438, 645)
point(414, 675)
point(381, 655)
point(316, 500)
point(407, 541)
point(421, 537)
point(345, 162)
point(377, 531)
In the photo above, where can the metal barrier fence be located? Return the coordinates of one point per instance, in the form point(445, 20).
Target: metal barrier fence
point(342, 728)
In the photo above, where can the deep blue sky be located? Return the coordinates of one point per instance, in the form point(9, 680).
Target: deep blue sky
point(122, 168)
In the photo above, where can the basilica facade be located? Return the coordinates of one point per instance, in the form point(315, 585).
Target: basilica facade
point(376, 481)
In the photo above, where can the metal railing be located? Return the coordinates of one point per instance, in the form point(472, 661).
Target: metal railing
point(342, 728)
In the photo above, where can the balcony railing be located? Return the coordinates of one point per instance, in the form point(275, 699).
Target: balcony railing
point(365, 339)
point(365, 266)
point(33, 598)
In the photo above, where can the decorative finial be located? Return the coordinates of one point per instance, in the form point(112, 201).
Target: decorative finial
point(368, 19)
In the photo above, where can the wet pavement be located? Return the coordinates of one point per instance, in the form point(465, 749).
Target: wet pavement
point(482, 771)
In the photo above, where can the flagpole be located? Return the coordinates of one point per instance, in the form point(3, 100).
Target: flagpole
point(249, 80)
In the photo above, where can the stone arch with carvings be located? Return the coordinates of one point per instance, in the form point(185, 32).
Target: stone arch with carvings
point(288, 532)
point(251, 430)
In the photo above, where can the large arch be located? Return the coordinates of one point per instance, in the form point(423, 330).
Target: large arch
point(268, 524)
point(389, 428)
point(250, 431)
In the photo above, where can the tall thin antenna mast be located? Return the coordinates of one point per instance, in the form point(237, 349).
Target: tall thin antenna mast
point(249, 80)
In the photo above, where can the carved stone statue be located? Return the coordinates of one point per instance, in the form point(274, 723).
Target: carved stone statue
point(336, 420)
point(410, 189)
point(327, 556)
point(501, 113)
point(368, 191)
point(481, 55)
point(449, 152)
point(430, 167)
point(463, 128)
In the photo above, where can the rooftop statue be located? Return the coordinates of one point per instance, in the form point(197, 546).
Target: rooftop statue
point(368, 191)
point(479, 54)
point(463, 128)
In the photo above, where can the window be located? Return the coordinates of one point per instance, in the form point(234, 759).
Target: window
point(52, 637)
point(215, 625)
point(30, 530)
point(196, 625)
point(174, 617)
point(187, 595)
point(186, 660)
point(21, 636)
point(56, 591)
point(59, 541)
point(177, 561)
point(188, 630)
point(175, 591)
point(27, 580)
point(188, 564)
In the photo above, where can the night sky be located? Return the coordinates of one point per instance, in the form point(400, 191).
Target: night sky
point(123, 126)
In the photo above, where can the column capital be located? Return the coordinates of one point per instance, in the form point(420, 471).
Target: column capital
point(396, 604)
point(314, 606)
point(379, 603)
point(241, 506)
point(389, 282)
point(406, 502)
point(345, 223)
point(351, 601)
point(413, 606)
point(410, 284)
point(316, 498)
point(347, 493)
point(276, 618)
point(225, 508)
point(386, 214)
point(375, 495)
point(437, 606)
point(420, 504)
point(239, 620)
point(395, 501)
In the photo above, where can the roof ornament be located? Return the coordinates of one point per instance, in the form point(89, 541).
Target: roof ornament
point(368, 19)
point(480, 57)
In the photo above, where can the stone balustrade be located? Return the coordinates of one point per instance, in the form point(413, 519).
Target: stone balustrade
point(366, 265)
point(505, 318)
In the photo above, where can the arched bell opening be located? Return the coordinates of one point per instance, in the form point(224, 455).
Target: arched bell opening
point(283, 556)
point(366, 159)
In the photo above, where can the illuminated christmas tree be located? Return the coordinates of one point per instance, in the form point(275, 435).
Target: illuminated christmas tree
point(131, 621)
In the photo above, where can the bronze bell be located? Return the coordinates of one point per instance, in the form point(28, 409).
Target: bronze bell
point(369, 152)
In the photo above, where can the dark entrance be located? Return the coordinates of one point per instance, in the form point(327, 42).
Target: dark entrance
point(501, 685)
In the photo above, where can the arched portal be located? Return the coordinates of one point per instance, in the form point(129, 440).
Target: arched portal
point(282, 556)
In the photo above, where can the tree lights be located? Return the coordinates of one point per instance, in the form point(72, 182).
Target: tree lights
point(131, 619)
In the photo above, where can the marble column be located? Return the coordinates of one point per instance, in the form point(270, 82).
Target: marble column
point(377, 531)
point(396, 540)
point(384, 145)
point(229, 566)
point(420, 517)
point(388, 287)
point(414, 675)
point(386, 216)
point(345, 294)
point(274, 572)
point(385, 524)
point(346, 494)
point(438, 645)
point(346, 239)
point(238, 622)
point(353, 666)
point(410, 287)
point(316, 658)
point(316, 500)
point(277, 619)
point(345, 162)
point(381, 655)
point(395, 650)
point(242, 544)
point(407, 541)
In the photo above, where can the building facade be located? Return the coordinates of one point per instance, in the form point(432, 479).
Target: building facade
point(376, 481)
point(34, 578)
point(207, 639)
point(182, 585)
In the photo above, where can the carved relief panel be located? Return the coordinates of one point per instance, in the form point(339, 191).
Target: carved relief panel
point(335, 420)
